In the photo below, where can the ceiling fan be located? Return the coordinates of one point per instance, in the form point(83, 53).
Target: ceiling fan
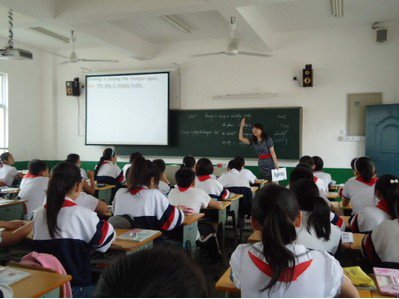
point(232, 49)
point(73, 58)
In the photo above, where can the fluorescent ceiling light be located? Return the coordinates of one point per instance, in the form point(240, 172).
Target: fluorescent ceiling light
point(176, 23)
point(50, 34)
point(337, 8)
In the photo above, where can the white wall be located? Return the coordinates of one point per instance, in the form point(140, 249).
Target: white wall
point(26, 84)
point(345, 60)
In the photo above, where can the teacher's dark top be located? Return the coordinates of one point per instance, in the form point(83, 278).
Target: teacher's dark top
point(265, 162)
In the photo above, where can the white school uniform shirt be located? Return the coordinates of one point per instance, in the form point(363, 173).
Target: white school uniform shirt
point(83, 174)
point(322, 276)
point(149, 209)
point(164, 188)
point(125, 168)
point(323, 189)
point(360, 193)
point(233, 178)
point(87, 201)
point(370, 217)
point(249, 174)
point(211, 186)
point(326, 177)
point(109, 169)
point(310, 239)
point(33, 189)
point(7, 174)
point(193, 198)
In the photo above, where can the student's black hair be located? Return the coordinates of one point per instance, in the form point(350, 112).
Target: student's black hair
point(5, 156)
point(307, 160)
point(72, 158)
point(353, 163)
point(241, 160)
point(276, 209)
point(234, 164)
point(160, 164)
point(188, 162)
point(134, 155)
point(318, 163)
point(184, 177)
point(307, 195)
point(301, 171)
point(64, 176)
point(36, 166)
point(263, 135)
point(365, 167)
point(108, 154)
point(141, 174)
point(204, 166)
point(387, 187)
point(153, 273)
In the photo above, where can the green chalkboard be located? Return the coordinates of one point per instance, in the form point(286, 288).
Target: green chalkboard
point(214, 133)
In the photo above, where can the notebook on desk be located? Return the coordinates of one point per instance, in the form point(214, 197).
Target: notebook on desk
point(9, 275)
point(387, 281)
point(138, 235)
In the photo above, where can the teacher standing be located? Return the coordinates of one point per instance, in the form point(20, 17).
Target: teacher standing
point(264, 147)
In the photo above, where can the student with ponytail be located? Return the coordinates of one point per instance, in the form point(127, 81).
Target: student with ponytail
point(277, 266)
point(381, 246)
point(188, 162)
point(89, 188)
point(68, 231)
point(370, 217)
point(316, 231)
point(107, 172)
point(143, 202)
point(359, 191)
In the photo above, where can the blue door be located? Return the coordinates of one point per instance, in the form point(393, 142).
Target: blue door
point(382, 137)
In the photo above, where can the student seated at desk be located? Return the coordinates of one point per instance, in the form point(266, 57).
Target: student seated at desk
point(188, 162)
point(154, 273)
point(34, 187)
point(68, 231)
point(277, 266)
point(303, 171)
point(248, 173)
point(381, 246)
point(319, 172)
point(370, 217)
point(233, 177)
point(316, 231)
point(107, 172)
point(359, 191)
point(133, 156)
point(87, 187)
point(205, 181)
point(164, 184)
point(319, 182)
point(15, 232)
point(143, 202)
point(9, 175)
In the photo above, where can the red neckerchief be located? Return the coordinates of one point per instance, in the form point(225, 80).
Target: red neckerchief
point(31, 176)
point(135, 191)
point(371, 183)
point(203, 178)
point(66, 204)
point(315, 179)
point(106, 162)
point(285, 277)
point(181, 189)
point(384, 206)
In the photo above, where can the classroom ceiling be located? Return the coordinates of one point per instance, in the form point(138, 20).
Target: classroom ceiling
point(138, 27)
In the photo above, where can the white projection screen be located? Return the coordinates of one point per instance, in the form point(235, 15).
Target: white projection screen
point(127, 109)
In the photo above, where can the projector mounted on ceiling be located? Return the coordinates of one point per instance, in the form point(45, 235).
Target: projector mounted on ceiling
point(9, 52)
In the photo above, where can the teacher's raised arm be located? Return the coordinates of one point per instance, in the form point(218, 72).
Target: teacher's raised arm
point(263, 146)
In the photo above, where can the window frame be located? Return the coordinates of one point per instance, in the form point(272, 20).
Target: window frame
point(4, 110)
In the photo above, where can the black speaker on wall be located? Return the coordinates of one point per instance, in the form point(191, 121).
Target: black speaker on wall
point(72, 87)
point(307, 75)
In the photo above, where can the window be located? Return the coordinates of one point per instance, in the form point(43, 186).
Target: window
point(3, 113)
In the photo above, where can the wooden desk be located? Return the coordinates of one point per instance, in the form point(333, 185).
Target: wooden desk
point(39, 283)
point(338, 205)
point(105, 192)
point(256, 236)
point(357, 242)
point(224, 284)
point(260, 183)
point(190, 232)
point(332, 195)
point(130, 246)
point(346, 220)
point(11, 209)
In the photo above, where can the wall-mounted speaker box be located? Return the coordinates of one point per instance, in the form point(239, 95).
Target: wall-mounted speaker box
point(72, 87)
point(307, 75)
point(382, 35)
